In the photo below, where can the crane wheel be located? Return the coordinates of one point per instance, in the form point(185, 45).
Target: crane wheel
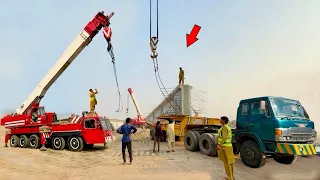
point(75, 143)
point(34, 141)
point(58, 143)
point(23, 141)
point(14, 141)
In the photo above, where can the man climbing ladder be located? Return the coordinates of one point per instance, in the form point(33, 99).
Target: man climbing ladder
point(93, 100)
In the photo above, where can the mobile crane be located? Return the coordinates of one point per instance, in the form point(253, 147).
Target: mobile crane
point(32, 127)
point(139, 120)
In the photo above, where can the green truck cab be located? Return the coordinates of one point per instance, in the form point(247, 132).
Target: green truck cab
point(274, 127)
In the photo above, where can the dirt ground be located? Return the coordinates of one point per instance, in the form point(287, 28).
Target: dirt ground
point(99, 164)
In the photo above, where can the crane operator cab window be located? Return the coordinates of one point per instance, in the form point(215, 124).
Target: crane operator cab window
point(34, 116)
point(90, 124)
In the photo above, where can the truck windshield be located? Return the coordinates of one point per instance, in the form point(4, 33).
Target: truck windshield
point(105, 123)
point(287, 108)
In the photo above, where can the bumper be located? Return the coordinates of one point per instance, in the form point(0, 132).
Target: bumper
point(296, 149)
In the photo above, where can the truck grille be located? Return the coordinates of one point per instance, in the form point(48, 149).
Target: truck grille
point(301, 134)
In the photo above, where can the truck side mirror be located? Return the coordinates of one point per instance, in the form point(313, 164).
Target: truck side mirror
point(263, 105)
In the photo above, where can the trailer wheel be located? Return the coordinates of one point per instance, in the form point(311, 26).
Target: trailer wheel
point(14, 141)
point(34, 141)
point(191, 142)
point(75, 143)
point(251, 155)
point(207, 144)
point(58, 143)
point(23, 141)
point(285, 159)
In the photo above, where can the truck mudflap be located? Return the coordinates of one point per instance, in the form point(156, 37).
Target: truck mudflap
point(296, 149)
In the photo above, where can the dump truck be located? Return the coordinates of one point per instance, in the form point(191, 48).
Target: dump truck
point(275, 127)
point(31, 126)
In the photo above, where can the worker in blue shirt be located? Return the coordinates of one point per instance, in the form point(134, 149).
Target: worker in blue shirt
point(126, 130)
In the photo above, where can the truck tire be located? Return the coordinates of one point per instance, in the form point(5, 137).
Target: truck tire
point(58, 143)
point(23, 141)
point(75, 143)
point(191, 141)
point(198, 138)
point(14, 141)
point(251, 155)
point(285, 159)
point(215, 143)
point(207, 144)
point(34, 141)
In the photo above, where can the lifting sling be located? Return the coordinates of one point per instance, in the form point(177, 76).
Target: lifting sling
point(110, 50)
point(153, 45)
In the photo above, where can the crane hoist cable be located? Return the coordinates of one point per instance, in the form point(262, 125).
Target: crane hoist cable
point(110, 50)
point(127, 109)
point(153, 44)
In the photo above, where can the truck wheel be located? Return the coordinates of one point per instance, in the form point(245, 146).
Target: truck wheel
point(23, 141)
point(58, 143)
point(285, 159)
point(251, 155)
point(207, 144)
point(191, 141)
point(75, 143)
point(34, 141)
point(14, 141)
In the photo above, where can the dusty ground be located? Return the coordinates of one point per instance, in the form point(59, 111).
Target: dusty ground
point(106, 164)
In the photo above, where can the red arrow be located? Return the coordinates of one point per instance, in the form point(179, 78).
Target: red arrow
point(192, 37)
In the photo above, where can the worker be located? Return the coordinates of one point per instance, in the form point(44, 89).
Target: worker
point(224, 147)
point(170, 136)
point(34, 117)
point(126, 130)
point(181, 76)
point(157, 136)
point(93, 100)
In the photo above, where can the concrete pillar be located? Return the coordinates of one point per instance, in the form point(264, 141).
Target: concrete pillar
point(186, 100)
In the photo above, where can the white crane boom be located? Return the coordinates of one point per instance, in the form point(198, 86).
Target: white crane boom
point(134, 102)
point(73, 50)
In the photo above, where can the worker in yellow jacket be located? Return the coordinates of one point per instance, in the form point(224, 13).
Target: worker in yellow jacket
point(225, 150)
point(93, 100)
point(181, 76)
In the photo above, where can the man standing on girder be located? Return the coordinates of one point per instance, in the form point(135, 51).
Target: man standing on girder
point(181, 76)
point(93, 100)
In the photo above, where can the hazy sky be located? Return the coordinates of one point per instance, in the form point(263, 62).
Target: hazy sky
point(247, 49)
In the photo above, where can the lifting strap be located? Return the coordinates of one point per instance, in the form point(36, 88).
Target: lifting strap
point(110, 50)
point(153, 45)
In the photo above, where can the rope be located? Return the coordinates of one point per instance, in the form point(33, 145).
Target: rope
point(127, 113)
point(116, 77)
point(155, 60)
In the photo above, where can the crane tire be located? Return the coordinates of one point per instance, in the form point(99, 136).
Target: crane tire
point(14, 141)
point(23, 141)
point(58, 143)
point(34, 141)
point(75, 143)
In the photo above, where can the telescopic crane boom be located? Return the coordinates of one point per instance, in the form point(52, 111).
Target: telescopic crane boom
point(140, 119)
point(72, 51)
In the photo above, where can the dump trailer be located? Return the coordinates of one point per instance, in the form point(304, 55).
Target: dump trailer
point(31, 126)
point(268, 126)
